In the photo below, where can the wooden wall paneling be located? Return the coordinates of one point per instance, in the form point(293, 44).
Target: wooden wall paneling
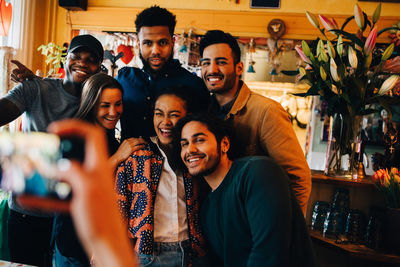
point(245, 24)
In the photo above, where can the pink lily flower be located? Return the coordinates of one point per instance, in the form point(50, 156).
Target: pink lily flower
point(302, 55)
point(329, 24)
point(371, 40)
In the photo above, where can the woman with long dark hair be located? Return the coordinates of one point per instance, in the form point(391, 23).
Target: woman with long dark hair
point(101, 104)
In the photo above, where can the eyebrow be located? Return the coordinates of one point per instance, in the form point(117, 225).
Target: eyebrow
point(157, 109)
point(217, 58)
point(194, 135)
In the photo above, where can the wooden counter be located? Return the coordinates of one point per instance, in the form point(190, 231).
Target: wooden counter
point(358, 251)
point(363, 195)
point(319, 177)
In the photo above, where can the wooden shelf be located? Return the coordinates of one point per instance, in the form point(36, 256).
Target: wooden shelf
point(318, 176)
point(354, 250)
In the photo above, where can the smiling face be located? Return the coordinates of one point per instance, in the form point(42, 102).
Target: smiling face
point(218, 70)
point(156, 46)
point(109, 109)
point(200, 151)
point(80, 65)
point(168, 110)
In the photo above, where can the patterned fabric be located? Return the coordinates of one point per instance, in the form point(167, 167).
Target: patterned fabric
point(136, 185)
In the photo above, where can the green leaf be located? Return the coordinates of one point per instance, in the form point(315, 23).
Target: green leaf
point(290, 72)
point(387, 29)
point(367, 22)
point(314, 89)
point(351, 37)
point(346, 97)
point(346, 22)
point(301, 94)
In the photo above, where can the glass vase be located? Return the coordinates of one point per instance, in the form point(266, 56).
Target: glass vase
point(343, 146)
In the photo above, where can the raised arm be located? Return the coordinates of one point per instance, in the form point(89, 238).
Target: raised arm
point(21, 72)
point(8, 111)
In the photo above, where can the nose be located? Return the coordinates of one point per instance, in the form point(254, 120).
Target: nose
point(192, 147)
point(112, 111)
point(155, 49)
point(83, 62)
point(167, 120)
point(213, 67)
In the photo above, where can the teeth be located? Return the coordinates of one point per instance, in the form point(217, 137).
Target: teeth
point(111, 119)
point(81, 72)
point(214, 79)
point(165, 131)
point(194, 159)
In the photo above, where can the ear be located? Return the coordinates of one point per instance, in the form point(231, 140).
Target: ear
point(225, 144)
point(239, 68)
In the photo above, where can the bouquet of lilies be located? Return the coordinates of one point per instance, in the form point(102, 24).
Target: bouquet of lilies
point(351, 74)
point(388, 182)
point(347, 70)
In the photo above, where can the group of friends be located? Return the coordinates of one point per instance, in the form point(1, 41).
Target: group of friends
point(208, 173)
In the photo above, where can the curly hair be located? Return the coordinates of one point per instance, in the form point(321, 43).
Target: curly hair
point(156, 16)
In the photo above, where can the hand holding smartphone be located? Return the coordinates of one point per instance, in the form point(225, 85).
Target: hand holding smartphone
point(29, 163)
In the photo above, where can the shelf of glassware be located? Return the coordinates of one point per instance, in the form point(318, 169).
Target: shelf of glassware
point(354, 250)
point(318, 176)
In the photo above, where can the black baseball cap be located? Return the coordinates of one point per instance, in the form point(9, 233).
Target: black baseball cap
point(89, 42)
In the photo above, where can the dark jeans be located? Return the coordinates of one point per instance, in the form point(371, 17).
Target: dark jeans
point(29, 238)
point(60, 260)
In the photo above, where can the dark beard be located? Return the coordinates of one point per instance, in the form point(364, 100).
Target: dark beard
point(214, 166)
point(152, 72)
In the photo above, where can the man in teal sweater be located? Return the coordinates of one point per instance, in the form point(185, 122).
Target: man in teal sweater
point(250, 217)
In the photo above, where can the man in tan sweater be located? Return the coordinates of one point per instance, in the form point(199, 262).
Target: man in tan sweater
point(261, 124)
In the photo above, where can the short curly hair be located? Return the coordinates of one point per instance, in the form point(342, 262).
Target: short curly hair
point(156, 16)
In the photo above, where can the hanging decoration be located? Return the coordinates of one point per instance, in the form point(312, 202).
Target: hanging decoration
point(251, 50)
point(276, 29)
point(127, 52)
point(109, 54)
point(5, 17)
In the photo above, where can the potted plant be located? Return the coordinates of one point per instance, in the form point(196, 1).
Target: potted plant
point(55, 56)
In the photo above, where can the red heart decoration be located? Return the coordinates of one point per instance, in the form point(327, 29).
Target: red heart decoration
point(5, 17)
point(128, 53)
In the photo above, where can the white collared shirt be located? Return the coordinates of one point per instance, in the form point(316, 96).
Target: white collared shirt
point(170, 220)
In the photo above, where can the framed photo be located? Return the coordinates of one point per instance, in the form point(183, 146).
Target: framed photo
point(265, 3)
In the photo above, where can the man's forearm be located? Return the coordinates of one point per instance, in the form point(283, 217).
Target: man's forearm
point(8, 111)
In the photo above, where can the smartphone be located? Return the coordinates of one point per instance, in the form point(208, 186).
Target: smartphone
point(29, 162)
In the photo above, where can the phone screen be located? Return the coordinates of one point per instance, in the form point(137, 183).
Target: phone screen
point(29, 162)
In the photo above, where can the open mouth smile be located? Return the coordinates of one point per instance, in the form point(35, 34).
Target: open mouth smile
point(194, 160)
point(166, 132)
